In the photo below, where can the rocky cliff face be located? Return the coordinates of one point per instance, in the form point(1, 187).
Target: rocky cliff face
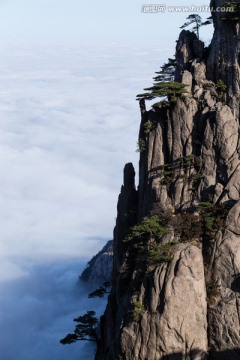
point(99, 268)
point(185, 302)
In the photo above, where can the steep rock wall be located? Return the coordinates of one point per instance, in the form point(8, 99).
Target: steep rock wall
point(188, 306)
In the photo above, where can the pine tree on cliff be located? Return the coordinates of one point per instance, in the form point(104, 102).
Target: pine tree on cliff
point(84, 330)
point(176, 292)
point(164, 86)
point(197, 22)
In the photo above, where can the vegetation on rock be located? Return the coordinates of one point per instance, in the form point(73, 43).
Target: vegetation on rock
point(164, 86)
point(159, 253)
point(148, 126)
point(137, 311)
point(187, 226)
point(196, 21)
point(180, 169)
point(161, 104)
point(233, 11)
point(148, 228)
point(141, 145)
point(171, 90)
point(84, 330)
point(167, 72)
point(213, 217)
point(101, 291)
point(213, 290)
point(221, 89)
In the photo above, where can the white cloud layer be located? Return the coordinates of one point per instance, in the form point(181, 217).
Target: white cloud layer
point(69, 123)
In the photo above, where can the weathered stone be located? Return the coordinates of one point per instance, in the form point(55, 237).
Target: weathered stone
point(199, 72)
point(99, 268)
point(198, 48)
point(187, 80)
point(233, 220)
point(209, 85)
point(127, 214)
point(209, 100)
point(172, 295)
point(226, 132)
point(197, 91)
point(218, 191)
point(223, 59)
point(223, 314)
point(192, 155)
point(184, 52)
point(232, 189)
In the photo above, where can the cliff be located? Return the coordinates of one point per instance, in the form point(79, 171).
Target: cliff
point(176, 268)
point(99, 268)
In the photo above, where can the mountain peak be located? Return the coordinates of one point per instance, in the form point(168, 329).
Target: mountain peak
point(176, 261)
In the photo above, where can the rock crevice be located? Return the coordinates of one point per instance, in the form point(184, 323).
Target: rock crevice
point(184, 303)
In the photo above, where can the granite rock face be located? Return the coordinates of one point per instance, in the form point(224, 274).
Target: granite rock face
point(223, 60)
point(186, 305)
point(99, 268)
point(165, 326)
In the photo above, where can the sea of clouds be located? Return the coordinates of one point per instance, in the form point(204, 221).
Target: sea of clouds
point(37, 311)
point(68, 124)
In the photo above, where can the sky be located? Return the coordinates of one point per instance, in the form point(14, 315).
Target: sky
point(100, 20)
point(69, 74)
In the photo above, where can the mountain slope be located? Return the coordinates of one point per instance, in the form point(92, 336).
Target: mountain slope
point(176, 274)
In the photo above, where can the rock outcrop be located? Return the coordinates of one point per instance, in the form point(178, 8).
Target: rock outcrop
point(99, 268)
point(176, 285)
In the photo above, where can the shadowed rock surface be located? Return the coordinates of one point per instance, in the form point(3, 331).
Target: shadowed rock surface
point(99, 268)
point(186, 305)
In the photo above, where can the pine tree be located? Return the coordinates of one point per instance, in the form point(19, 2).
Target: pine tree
point(171, 90)
point(197, 22)
point(167, 71)
point(164, 85)
point(85, 330)
point(101, 291)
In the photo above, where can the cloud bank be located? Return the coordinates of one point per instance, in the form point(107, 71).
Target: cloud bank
point(69, 123)
point(37, 311)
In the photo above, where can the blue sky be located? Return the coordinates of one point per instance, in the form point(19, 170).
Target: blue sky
point(95, 19)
